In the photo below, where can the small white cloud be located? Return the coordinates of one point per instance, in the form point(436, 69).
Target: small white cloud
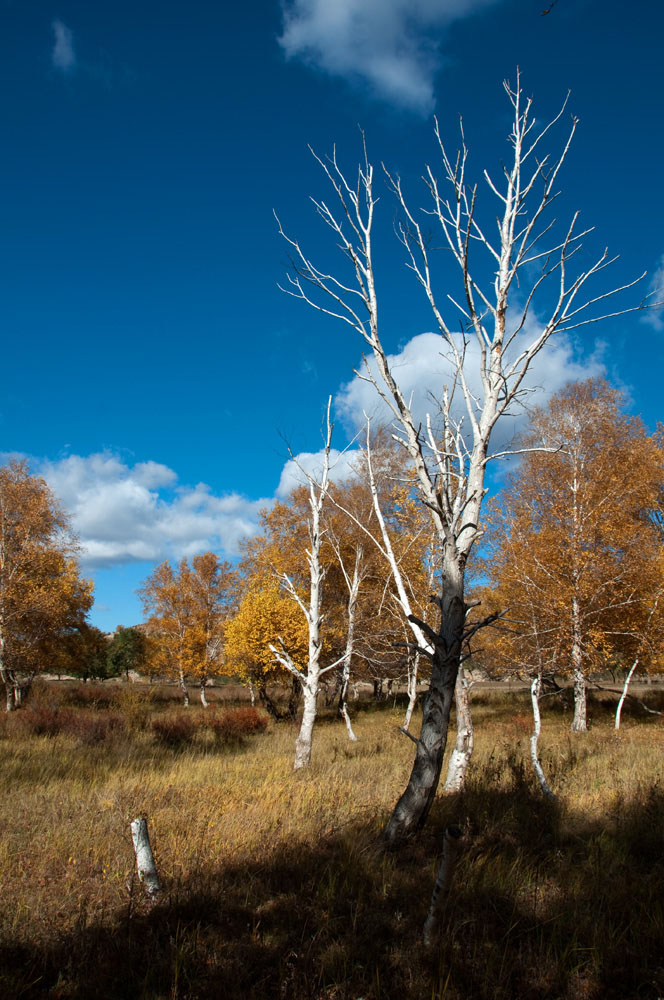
point(308, 463)
point(63, 56)
point(125, 514)
point(655, 317)
point(391, 45)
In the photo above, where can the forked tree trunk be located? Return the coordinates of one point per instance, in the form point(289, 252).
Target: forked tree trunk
point(465, 740)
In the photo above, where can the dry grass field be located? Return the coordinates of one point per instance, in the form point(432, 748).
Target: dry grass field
point(275, 884)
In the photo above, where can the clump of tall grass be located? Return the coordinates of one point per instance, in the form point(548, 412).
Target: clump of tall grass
point(174, 731)
point(87, 727)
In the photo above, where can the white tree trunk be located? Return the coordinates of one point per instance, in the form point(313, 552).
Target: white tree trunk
point(252, 693)
point(353, 584)
point(535, 691)
point(349, 726)
point(580, 719)
point(305, 736)
point(145, 864)
point(621, 702)
point(463, 749)
point(183, 688)
point(310, 680)
point(204, 701)
point(412, 690)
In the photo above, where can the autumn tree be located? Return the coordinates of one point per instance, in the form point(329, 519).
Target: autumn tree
point(186, 608)
point(83, 652)
point(127, 651)
point(42, 594)
point(574, 553)
point(264, 617)
point(213, 593)
point(487, 345)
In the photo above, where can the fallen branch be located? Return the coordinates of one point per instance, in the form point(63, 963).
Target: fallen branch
point(145, 864)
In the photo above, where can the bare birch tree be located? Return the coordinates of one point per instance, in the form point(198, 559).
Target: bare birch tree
point(309, 675)
point(488, 357)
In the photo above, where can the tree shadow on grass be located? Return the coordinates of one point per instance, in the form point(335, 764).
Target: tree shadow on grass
point(544, 905)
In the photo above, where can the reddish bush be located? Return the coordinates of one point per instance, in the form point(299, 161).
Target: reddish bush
point(91, 695)
point(88, 727)
point(36, 720)
point(232, 725)
point(174, 731)
point(92, 727)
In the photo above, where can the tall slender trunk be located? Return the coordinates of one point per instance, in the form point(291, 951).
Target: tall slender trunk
point(535, 691)
point(413, 666)
point(353, 593)
point(413, 807)
point(21, 691)
point(465, 740)
point(183, 687)
point(621, 702)
point(580, 720)
point(204, 701)
point(6, 674)
point(304, 739)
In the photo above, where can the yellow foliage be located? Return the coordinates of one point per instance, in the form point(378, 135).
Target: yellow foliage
point(264, 617)
point(42, 595)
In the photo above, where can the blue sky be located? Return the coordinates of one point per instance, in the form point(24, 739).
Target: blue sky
point(152, 367)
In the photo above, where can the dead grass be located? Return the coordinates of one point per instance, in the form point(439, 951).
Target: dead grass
point(275, 884)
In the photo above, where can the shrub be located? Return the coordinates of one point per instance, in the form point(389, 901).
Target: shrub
point(174, 731)
point(135, 705)
point(91, 727)
point(88, 727)
point(232, 725)
point(45, 694)
point(91, 696)
point(36, 720)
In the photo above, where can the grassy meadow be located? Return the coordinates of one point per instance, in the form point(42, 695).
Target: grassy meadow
point(275, 884)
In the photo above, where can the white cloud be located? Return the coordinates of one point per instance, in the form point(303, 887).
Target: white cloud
point(295, 471)
point(124, 513)
point(655, 317)
point(421, 370)
point(63, 56)
point(391, 45)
